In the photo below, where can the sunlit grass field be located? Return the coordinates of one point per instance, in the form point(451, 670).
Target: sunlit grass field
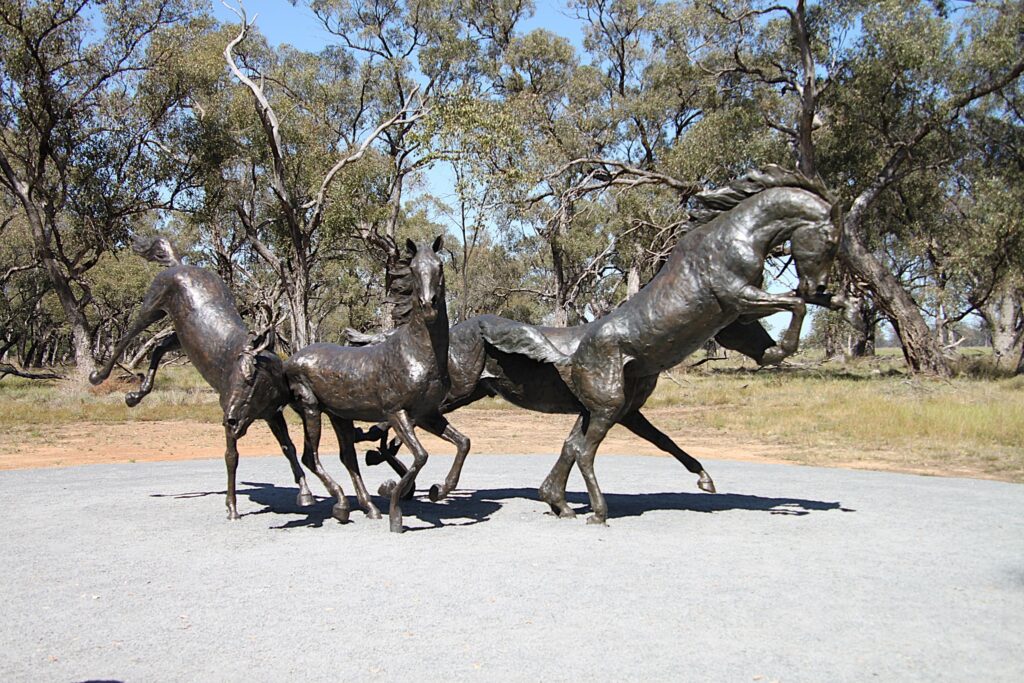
point(866, 414)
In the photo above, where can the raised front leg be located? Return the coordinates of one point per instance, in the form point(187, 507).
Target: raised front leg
point(403, 426)
point(166, 345)
point(347, 449)
point(755, 301)
point(639, 425)
point(148, 314)
point(439, 426)
point(231, 462)
point(749, 338)
point(385, 453)
point(280, 430)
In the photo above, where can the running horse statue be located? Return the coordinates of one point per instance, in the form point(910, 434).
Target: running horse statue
point(248, 377)
point(402, 380)
point(604, 371)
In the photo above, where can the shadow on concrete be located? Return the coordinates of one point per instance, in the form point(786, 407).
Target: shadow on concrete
point(636, 504)
point(468, 507)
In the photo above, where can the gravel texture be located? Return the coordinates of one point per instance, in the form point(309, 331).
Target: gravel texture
point(131, 572)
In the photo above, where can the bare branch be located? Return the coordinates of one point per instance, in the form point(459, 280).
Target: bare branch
point(404, 116)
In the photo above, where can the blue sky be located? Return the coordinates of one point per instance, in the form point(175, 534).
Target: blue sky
point(282, 22)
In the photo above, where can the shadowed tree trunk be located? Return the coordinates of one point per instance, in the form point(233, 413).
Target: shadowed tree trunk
point(1003, 314)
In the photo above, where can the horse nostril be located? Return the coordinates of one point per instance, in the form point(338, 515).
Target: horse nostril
point(231, 422)
point(821, 289)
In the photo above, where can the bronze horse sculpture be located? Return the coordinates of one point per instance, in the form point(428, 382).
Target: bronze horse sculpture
point(249, 378)
point(713, 278)
point(605, 370)
point(479, 370)
point(402, 381)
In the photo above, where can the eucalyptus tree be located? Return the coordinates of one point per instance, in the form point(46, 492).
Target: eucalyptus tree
point(83, 118)
point(865, 93)
point(289, 186)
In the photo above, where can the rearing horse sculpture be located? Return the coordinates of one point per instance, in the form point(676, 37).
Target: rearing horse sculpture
point(712, 278)
point(401, 380)
point(249, 379)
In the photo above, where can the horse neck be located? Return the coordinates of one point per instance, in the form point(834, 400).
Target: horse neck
point(777, 214)
point(219, 325)
point(433, 334)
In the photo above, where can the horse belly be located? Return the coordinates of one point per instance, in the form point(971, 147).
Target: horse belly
point(529, 384)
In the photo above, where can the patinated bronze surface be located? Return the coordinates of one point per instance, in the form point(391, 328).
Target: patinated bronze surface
point(479, 370)
point(403, 381)
point(604, 371)
point(248, 377)
point(712, 278)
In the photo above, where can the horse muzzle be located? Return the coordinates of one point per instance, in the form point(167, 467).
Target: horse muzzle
point(237, 428)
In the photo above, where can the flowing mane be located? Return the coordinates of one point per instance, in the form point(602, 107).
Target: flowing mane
point(400, 291)
point(715, 202)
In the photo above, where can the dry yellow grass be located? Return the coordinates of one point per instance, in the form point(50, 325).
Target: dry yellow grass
point(870, 414)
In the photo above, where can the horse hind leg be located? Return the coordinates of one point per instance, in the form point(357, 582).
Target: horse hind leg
point(639, 425)
point(440, 427)
point(552, 489)
point(310, 413)
point(347, 450)
point(593, 435)
point(171, 343)
point(279, 428)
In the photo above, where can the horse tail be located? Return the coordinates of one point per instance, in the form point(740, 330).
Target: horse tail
point(521, 339)
point(357, 338)
point(156, 249)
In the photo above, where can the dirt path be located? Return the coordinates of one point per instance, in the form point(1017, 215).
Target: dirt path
point(496, 432)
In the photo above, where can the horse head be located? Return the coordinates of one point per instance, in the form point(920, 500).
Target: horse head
point(813, 245)
point(422, 281)
point(156, 249)
point(249, 384)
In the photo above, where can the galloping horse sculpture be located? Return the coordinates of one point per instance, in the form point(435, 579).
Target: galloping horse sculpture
point(402, 380)
point(248, 378)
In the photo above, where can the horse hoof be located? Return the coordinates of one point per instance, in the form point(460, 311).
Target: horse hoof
point(594, 519)
point(385, 489)
point(437, 493)
point(304, 500)
point(340, 513)
point(373, 513)
point(705, 483)
point(233, 515)
point(373, 458)
point(96, 378)
point(396, 526)
point(132, 399)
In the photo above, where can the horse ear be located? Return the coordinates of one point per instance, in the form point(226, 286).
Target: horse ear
point(438, 243)
point(265, 340)
point(410, 246)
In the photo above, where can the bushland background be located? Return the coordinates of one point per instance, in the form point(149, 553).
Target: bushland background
point(556, 146)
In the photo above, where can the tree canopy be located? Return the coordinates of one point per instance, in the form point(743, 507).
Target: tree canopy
point(559, 168)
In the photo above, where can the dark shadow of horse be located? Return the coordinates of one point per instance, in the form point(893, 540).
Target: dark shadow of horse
point(470, 507)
